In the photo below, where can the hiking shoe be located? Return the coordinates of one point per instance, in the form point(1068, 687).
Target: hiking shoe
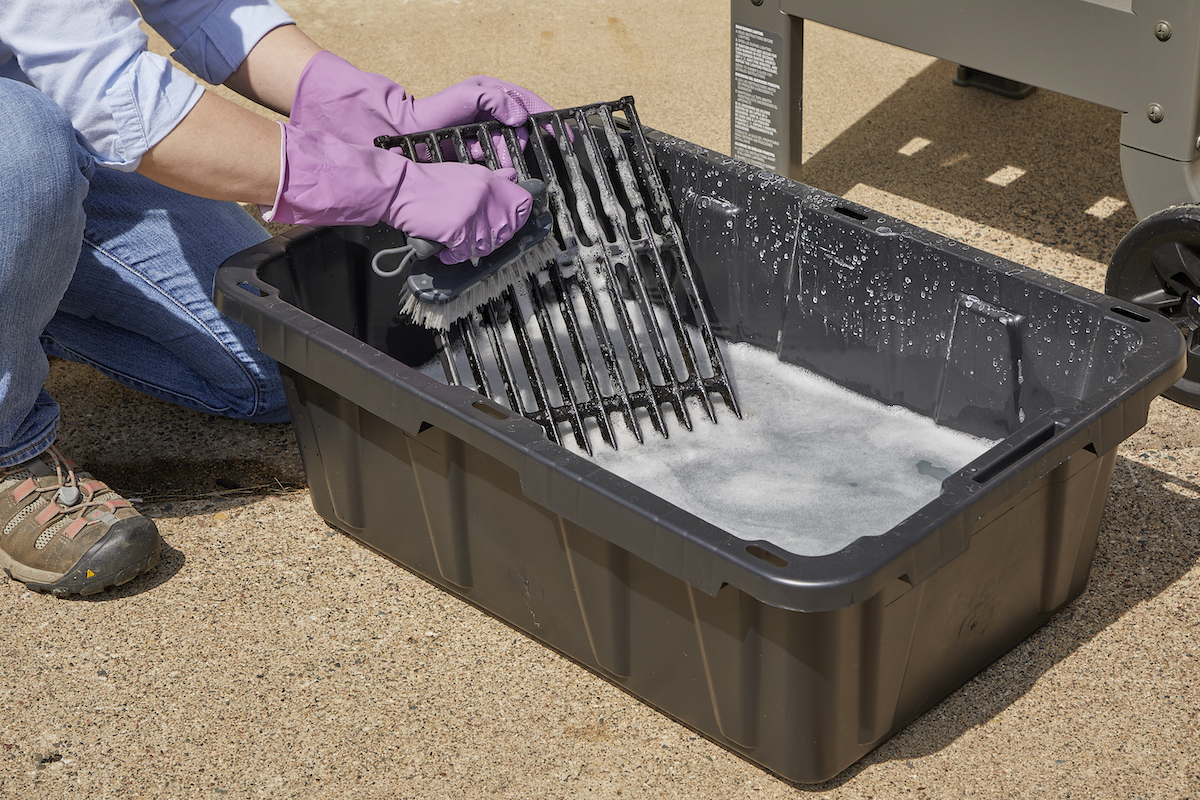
point(64, 532)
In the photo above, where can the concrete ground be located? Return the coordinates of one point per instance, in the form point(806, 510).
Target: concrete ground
point(269, 656)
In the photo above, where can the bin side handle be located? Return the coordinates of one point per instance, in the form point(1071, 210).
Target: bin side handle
point(241, 285)
point(1026, 445)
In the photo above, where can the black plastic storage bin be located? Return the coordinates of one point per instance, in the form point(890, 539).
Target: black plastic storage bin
point(801, 664)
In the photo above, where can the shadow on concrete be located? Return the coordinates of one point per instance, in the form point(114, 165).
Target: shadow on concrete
point(951, 148)
point(170, 460)
point(170, 483)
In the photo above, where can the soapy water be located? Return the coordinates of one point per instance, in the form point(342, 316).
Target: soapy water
point(810, 467)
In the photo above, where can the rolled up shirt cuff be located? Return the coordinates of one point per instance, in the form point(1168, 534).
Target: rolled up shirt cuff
point(147, 102)
point(226, 35)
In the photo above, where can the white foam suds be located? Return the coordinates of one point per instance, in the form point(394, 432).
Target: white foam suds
point(810, 467)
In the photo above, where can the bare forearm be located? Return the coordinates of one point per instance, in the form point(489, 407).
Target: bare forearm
point(270, 73)
point(223, 151)
point(219, 150)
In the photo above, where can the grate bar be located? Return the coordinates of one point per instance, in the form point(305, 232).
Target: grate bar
point(595, 405)
point(598, 258)
point(572, 236)
point(545, 414)
point(719, 381)
point(502, 362)
point(467, 332)
point(668, 389)
point(448, 365)
point(570, 408)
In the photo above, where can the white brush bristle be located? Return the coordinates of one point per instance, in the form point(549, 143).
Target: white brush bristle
point(440, 317)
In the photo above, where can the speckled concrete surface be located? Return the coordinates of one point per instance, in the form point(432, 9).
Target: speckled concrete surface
point(269, 656)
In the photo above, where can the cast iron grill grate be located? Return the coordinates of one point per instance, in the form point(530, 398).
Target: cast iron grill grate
point(616, 321)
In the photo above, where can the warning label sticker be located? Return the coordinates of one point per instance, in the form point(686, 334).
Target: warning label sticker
point(757, 116)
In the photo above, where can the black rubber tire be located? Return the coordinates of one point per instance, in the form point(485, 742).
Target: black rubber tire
point(1157, 267)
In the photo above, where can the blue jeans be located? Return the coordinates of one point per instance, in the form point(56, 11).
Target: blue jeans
point(113, 270)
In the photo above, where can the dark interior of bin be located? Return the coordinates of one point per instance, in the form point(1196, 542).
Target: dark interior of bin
point(883, 308)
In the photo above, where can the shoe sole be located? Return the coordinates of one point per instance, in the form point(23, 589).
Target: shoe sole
point(82, 580)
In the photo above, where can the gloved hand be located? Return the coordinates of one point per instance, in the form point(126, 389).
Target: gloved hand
point(335, 96)
point(467, 207)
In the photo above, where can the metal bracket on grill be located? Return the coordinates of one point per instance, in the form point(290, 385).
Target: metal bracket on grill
point(618, 320)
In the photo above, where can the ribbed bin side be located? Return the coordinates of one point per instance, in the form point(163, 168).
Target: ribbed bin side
point(892, 311)
point(1025, 564)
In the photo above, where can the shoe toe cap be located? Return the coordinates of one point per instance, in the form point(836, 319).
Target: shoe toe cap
point(131, 546)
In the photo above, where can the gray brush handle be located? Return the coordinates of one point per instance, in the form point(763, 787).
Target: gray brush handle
point(424, 248)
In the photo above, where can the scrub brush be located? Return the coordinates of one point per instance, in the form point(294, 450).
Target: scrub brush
point(436, 295)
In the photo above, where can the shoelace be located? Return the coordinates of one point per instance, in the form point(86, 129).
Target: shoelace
point(76, 498)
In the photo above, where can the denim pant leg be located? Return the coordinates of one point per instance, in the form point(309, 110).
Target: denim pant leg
point(113, 270)
point(43, 183)
point(139, 307)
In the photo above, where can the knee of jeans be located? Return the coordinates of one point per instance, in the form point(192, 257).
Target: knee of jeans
point(44, 164)
point(270, 411)
point(264, 400)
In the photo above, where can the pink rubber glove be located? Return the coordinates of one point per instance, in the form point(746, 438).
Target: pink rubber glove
point(467, 207)
point(334, 95)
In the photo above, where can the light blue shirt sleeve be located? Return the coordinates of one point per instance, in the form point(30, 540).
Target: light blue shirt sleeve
point(213, 37)
point(91, 58)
